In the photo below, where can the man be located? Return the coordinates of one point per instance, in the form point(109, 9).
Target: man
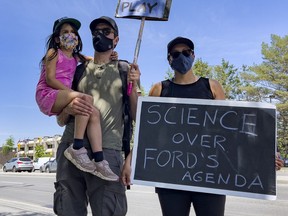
point(101, 79)
point(185, 84)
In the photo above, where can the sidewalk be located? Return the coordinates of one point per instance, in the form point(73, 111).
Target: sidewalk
point(14, 208)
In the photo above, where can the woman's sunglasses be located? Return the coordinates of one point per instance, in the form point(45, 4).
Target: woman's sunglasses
point(184, 52)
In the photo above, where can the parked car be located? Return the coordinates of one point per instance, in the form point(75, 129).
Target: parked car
point(49, 166)
point(286, 162)
point(42, 167)
point(40, 161)
point(18, 164)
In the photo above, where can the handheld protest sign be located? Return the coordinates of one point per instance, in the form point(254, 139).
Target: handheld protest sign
point(210, 146)
point(156, 10)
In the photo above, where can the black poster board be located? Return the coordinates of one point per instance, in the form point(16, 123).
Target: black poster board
point(213, 146)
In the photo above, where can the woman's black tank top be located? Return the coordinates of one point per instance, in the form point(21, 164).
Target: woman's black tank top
point(199, 89)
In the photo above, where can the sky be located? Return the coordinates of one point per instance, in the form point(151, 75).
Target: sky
point(228, 29)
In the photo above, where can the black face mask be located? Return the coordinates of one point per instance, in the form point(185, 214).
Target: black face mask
point(101, 43)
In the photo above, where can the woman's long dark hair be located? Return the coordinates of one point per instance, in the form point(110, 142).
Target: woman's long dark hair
point(51, 43)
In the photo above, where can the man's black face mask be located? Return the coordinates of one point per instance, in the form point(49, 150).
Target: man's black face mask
point(101, 43)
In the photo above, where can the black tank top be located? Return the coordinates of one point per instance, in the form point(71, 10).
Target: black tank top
point(199, 89)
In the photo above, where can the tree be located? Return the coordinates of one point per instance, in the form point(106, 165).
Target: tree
point(268, 82)
point(8, 146)
point(39, 151)
point(169, 74)
point(201, 68)
point(229, 78)
point(225, 73)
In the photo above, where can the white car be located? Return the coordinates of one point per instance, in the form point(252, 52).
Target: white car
point(18, 164)
point(40, 161)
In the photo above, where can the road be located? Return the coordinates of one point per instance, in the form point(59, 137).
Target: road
point(31, 194)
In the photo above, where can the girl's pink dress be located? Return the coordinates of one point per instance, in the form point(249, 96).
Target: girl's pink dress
point(45, 95)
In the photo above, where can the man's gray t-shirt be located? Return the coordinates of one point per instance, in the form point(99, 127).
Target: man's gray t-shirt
point(103, 82)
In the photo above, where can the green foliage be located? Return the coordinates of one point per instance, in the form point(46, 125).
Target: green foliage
point(226, 74)
point(169, 74)
point(270, 77)
point(228, 77)
point(268, 82)
point(201, 68)
point(40, 151)
point(282, 137)
point(142, 91)
point(8, 146)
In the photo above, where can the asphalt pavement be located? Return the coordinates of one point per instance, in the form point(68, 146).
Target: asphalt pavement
point(14, 208)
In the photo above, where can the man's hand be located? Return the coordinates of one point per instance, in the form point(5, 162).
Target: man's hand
point(134, 75)
point(77, 106)
point(126, 172)
point(114, 56)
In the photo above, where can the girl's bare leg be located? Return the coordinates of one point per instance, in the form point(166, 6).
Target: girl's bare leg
point(92, 124)
point(94, 131)
point(64, 97)
point(81, 123)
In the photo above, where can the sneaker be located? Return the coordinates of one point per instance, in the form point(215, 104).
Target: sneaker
point(80, 159)
point(103, 171)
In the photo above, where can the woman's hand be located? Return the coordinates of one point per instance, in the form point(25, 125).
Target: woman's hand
point(279, 163)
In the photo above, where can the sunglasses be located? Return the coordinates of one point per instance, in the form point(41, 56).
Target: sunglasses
point(105, 31)
point(184, 52)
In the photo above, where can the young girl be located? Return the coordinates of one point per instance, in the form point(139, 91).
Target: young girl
point(53, 93)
